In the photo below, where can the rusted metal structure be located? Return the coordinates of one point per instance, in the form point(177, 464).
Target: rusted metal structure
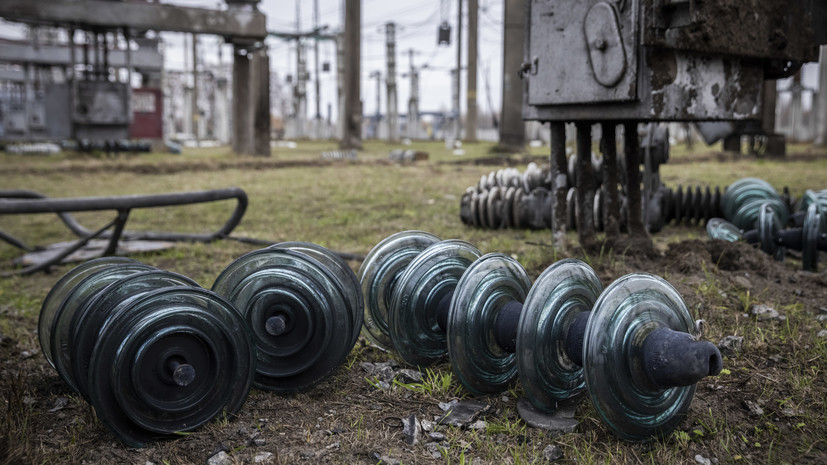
point(241, 24)
point(627, 62)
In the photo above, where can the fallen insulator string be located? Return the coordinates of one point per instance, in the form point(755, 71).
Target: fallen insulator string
point(509, 199)
point(629, 346)
point(156, 355)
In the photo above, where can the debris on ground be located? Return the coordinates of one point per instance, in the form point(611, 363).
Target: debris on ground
point(558, 423)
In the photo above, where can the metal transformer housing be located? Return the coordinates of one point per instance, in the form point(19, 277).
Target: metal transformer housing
point(661, 60)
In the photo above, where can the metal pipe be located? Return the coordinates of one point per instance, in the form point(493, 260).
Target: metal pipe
point(63, 206)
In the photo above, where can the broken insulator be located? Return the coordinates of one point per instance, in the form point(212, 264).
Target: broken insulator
point(743, 199)
point(810, 239)
point(304, 308)
point(721, 229)
point(154, 353)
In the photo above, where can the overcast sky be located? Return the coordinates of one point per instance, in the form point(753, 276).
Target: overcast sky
point(417, 22)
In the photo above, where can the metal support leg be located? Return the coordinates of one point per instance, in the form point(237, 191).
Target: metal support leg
point(631, 148)
point(585, 186)
point(608, 146)
point(559, 184)
point(120, 223)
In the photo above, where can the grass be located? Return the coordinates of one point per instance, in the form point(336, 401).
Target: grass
point(351, 206)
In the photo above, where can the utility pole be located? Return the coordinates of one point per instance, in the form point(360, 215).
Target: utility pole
point(377, 117)
point(353, 106)
point(821, 99)
point(316, 60)
point(302, 76)
point(458, 126)
point(195, 115)
point(340, 85)
point(413, 101)
point(393, 112)
point(300, 90)
point(471, 92)
point(512, 128)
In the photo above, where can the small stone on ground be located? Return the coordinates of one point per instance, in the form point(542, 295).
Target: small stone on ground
point(731, 344)
point(410, 428)
point(754, 409)
point(702, 460)
point(221, 458)
point(552, 453)
point(765, 312)
point(461, 413)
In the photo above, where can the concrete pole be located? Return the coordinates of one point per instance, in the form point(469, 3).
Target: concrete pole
point(195, 113)
point(222, 123)
point(377, 117)
point(260, 103)
point(340, 85)
point(512, 128)
point(318, 81)
point(393, 109)
point(189, 123)
point(457, 82)
point(413, 102)
point(353, 95)
point(821, 99)
point(455, 99)
point(300, 95)
point(471, 93)
point(242, 115)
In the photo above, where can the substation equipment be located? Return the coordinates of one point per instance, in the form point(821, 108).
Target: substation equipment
point(157, 355)
point(632, 62)
point(37, 106)
point(630, 347)
point(92, 100)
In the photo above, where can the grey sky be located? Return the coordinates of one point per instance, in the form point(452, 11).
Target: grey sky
point(417, 22)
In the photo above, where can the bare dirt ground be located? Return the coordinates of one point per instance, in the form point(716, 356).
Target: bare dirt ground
point(347, 419)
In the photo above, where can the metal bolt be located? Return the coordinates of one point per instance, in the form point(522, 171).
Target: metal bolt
point(182, 373)
point(276, 325)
